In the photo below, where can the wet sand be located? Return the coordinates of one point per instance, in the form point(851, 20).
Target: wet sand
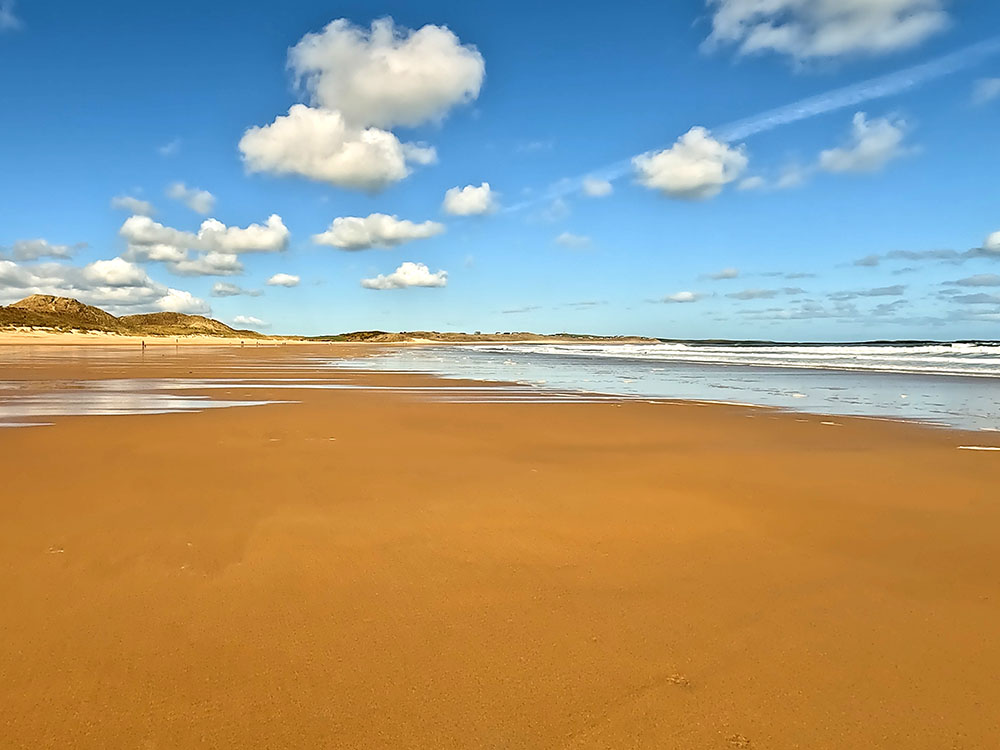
point(370, 570)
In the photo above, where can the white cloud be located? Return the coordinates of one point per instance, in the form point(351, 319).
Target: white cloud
point(756, 182)
point(198, 200)
point(407, 275)
point(179, 301)
point(225, 289)
point(725, 273)
point(986, 90)
point(754, 294)
point(696, 167)
point(219, 245)
point(683, 297)
point(387, 76)
point(469, 200)
point(872, 145)
point(114, 272)
point(115, 285)
point(209, 264)
point(568, 239)
point(375, 230)
point(271, 237)
point(807, 29)
point(283, 279)
point(791, 177)
point(38, 248)
point(979, 279)
point(169, 149)
point(557, 210)
point(250, 321)
point(596, 187)
point(162, 252)
point(362, 83)
point(318, 144)
point(132, 205)
point(9, 21)
point(142, 230)
point(992, 243)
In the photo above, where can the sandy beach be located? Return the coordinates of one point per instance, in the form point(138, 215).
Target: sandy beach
point(368, 569)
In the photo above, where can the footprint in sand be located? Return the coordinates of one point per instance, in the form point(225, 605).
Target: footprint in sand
point(738, 740)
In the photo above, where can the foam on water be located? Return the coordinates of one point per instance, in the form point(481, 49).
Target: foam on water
point(956, 385)
point(973, 359)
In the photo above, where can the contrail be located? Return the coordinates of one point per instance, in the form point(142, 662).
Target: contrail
point(847, 96)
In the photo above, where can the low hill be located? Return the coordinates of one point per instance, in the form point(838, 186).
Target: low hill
point(179, 324)
point(383, 337)
point(67, 314)
point(58, 312)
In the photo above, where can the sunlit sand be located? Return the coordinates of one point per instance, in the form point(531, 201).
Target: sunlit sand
point(365, 566)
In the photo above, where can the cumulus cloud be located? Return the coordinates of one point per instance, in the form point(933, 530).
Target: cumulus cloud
point(177, 300)
point(469, 200)
point(270, 237)
point(38, 248)
point(568, 239)
point(986, 90)
point(872, 145)
point(992, 243)
point(115, 285)
point(407, 275)
point(8, 20)
point(696, 167)
point(375, 230)
point(806, 29)
point(198, 200)
point(115, 272)
point(596, 187)
point(225, 289)
point(216, 245)
point(250, 321)
point(209, 264)
point(133, 205)
point(320, 145)
point(362, 83)
point(683, 297)
point(283, 279)
point(387, 76)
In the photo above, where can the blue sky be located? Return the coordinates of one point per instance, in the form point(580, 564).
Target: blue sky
point(871, 220)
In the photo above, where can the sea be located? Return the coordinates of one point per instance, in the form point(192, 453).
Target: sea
point(946, 384)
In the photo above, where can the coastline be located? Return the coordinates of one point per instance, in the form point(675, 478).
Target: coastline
point(10, 337)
